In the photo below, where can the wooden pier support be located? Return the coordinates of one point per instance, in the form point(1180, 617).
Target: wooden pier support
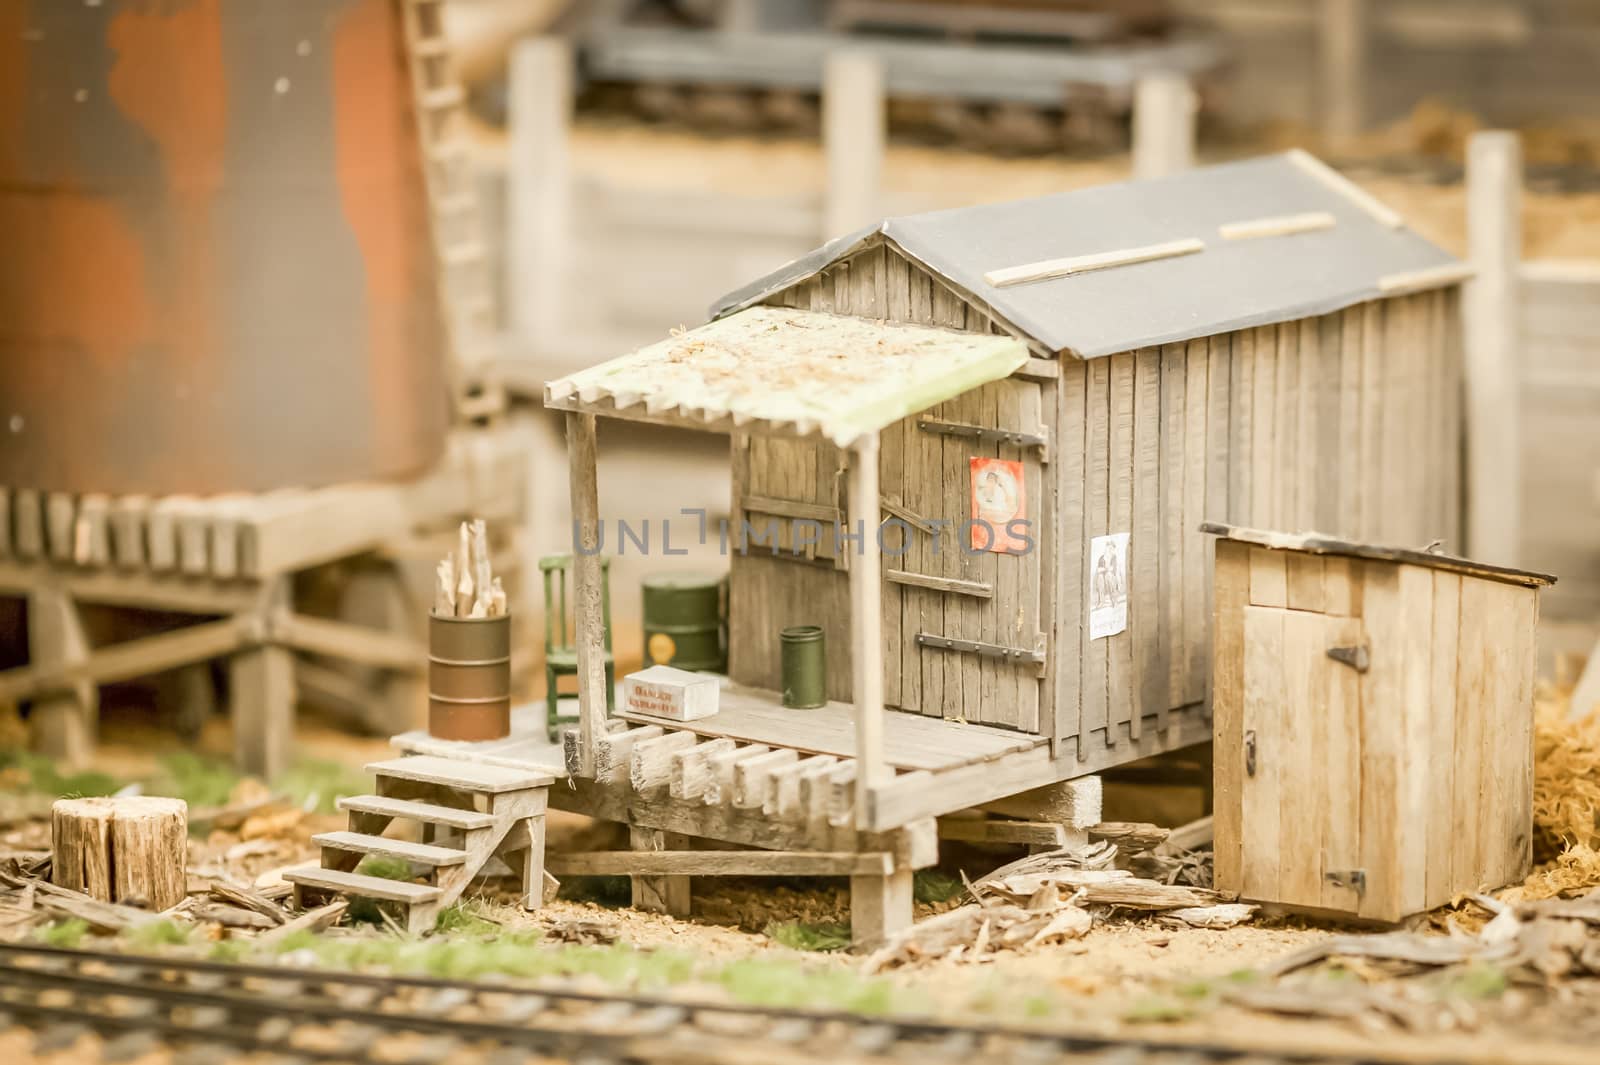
point(854, 126)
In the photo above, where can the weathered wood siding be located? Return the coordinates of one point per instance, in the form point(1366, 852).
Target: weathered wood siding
point(1347, 424)
point(923, 474)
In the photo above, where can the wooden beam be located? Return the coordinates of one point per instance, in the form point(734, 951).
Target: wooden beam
point(720, 863)
point(1164, 107)
point(539, 102)
point(866, 619)
point(1282, 225)
point(590, 635)
point(1047, 269)
point(854, 122)
point(262, 696)
point(1491, 313)
point(142, 657)
point(355, 643)
point(1341, 67)
point(135, 588)
point(64, 725)
point(665, 891)
point(953, 585)
point(999, 830)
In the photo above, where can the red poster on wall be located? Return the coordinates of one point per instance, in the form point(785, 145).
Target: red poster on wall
point(999, 506)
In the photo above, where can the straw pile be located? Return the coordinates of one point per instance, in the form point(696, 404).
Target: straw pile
point(1566, 801)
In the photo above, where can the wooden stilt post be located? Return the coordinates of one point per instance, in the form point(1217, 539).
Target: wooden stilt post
point(866, 621)
point(589, 623)
point(1490, 307)
point(853, 135)
point(540, 191)
point(660, 894)
point(261, 695)
point(1342, 67)
point(879, 906)
point(63, 723)
point(1163, 125)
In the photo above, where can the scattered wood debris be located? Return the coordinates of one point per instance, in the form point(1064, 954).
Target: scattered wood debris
point(1051, 897)
point(466, 586)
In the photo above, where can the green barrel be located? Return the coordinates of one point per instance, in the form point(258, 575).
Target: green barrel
point(684, 623)
point(805, 666)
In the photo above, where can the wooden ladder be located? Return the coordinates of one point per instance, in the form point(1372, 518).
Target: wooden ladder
point(466, 290)
point(469, 813)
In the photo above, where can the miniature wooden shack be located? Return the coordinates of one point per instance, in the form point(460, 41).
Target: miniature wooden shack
point(1373, 720)
point(1256, 342)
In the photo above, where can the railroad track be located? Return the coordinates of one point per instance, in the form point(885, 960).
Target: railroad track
point(211, 1011)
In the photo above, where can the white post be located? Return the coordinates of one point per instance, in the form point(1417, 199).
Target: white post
point(1342, 66)
point(1163, 125)
point(866, 622)
point(1492, 321)
point(538, 184)
point(853, 134)
point(589, 625)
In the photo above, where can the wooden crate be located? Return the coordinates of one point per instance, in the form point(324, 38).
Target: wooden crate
point(1373, 719)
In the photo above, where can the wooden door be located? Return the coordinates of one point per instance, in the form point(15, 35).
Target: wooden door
point(1301, 787)
point(962, 632)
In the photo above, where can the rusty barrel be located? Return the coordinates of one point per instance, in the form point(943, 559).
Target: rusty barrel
point(217, 274)
point(469, 677)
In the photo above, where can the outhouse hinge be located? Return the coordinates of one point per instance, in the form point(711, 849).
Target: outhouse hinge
point(1358, 658)
point(1354, 879)
point(1034, 656)
point(984, 434)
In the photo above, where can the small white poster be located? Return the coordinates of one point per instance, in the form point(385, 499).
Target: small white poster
point(1108, 585)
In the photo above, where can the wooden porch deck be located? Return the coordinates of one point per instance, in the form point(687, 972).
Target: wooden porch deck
point(910, 741)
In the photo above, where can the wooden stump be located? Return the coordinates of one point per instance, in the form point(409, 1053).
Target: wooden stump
point(132, 849)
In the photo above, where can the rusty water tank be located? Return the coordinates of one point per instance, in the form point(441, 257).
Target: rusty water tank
point(216, 272)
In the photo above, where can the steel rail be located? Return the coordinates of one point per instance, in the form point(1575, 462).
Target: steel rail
point(237, 1003)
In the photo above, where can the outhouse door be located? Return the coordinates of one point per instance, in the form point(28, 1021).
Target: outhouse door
point(1301, 786)
point(963, 497)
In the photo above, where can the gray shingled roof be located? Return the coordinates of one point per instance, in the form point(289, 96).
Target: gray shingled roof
point(1232, 284)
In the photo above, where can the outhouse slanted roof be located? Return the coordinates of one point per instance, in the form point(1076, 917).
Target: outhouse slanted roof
point(1320, 544)
point(793, 372)
point(1279, 238)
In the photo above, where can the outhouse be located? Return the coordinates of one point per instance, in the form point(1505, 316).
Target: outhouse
point(1373, 722)
point(1028, 409)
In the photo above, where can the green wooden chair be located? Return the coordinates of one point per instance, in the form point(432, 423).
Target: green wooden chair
point(560, 655)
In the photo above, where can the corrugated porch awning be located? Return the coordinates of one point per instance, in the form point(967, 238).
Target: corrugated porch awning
point(790, 372)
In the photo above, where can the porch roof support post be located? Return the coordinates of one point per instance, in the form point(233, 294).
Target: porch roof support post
point(866, 621)
point(586, 609)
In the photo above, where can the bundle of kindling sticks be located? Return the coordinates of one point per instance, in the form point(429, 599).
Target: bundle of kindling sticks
point(466, 588)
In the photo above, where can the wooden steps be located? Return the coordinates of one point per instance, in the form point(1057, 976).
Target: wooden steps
point(422, 812)
point(487, 810)
point(417, 853)
point(471, 777)
point(369, 887)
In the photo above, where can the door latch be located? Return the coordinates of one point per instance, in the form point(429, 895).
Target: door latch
point(1250, 753)
point(1354, 879)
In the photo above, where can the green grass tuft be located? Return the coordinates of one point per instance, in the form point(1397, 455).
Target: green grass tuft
point(384, 866)
point(231, 950)
point(1475, 980)
point(68, 934)
point(1158, 1009)
point(797, 935)
point(932, 885)
point(465, 919)
point(160, 933)
point(198, 781)
point(319, 785)
point(763, 982)
point(46, 779)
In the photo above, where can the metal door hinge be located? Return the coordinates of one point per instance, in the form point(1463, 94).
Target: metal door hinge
point(1250, 753)
point(1357, 658)
point(984, 650)
point(1354, 879)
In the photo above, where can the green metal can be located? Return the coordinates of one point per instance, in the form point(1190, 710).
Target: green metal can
point(685, 622)
point(805, 666)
